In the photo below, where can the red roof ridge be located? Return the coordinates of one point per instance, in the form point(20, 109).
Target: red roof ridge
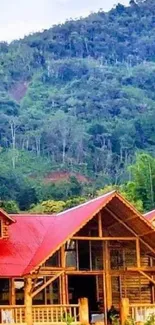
point(87, 202)
point(31, 215)
point(147, 213)
point(150, 216)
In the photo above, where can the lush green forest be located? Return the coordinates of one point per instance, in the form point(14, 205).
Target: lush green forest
point(80, 97)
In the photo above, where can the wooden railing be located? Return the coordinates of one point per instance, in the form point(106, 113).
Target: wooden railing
point(12, 314)
point(140, 312)
point(55, 314)
point(52, 314)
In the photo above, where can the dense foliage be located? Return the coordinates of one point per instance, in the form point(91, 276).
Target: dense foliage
point(80, 97)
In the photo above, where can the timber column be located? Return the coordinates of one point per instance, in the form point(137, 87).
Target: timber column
point(124, 310)
point(108, 288)
point(84, 311)
point(12, 294)
point(63, 277)
point(28, 301)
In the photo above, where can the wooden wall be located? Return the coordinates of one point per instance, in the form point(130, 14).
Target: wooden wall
point(4, 227)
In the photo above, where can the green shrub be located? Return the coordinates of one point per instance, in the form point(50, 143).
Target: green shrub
point(9, 206)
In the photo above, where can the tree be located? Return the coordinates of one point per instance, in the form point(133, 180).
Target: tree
point(143, 175)
point(9, 206)
point(49, 206)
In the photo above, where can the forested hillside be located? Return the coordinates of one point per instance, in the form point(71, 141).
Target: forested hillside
point(78, 97)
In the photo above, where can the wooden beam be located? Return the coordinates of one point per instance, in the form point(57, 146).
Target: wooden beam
point(83, 272)
point(138, 252)
point(67, 293)
point(128, 219)
point(63, 260)
point(77, 255)
point(152, 287)
point(46, 284)
point(147, 233)
point(104, 298)
point(43, 274)
point(90, 255)
point(63, 279)
point(104, 238)
point(147, 276)
point(107, 276)
point(60, 290)
point(51, 268)
point(100, 232)
point(144, 269)
point(131, 230)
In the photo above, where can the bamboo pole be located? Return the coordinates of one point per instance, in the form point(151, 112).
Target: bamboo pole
point(147, 276)
point(138, 252)
point(84, 311)
point(107, 276)
point(104, 298)
point(104, 238)
point(63, 276)
point(100, 232)
point(28, 301)
point(124, 310)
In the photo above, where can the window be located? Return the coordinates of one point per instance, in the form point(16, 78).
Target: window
point(19, 289)
point(4, 291)
point(97, 255)
point(84, 255)
point(54, 260)
point(71, 255)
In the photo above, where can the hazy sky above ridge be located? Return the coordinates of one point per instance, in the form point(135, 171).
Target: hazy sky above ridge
point(21, 17)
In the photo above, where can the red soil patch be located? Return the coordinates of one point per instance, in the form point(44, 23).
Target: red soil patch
point(64, 176)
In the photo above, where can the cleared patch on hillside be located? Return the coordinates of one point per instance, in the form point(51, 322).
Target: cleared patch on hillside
point(19, 90)
point(64, 176)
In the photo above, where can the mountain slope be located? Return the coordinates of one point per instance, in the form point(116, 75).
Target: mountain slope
point(80, 96)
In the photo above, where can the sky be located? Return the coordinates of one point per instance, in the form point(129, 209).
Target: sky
point(22, 17)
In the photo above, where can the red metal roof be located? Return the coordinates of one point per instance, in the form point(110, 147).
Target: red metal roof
point(150, 216)
point(32, 238)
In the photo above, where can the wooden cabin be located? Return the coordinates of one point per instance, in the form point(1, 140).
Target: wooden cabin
point(73, 266)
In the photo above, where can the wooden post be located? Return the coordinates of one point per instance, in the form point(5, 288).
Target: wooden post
point(63, 286)
point(107, 276)
point(138, 252)
point(100, 225)
point(152, 287)
point(67, 293)
point(124, 310)
point(28, 301)
point(63, 277)
point(104, 299)
point(84, 311)
point(12, 294)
